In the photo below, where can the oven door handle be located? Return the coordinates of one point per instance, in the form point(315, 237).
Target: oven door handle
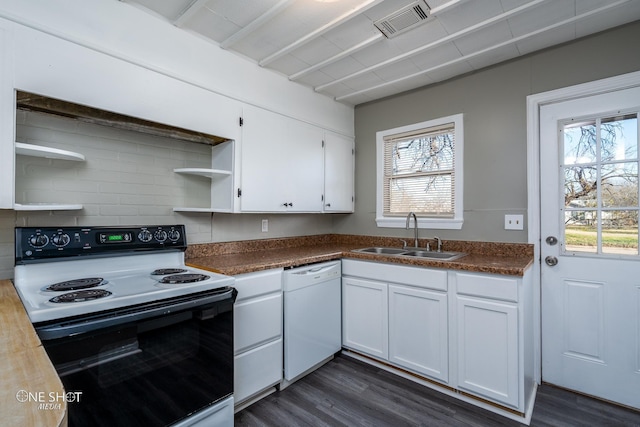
point(207, 304)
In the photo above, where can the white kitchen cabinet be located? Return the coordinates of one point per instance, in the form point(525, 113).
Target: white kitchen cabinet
point(418, 331)
point(220, 178)
point(257, 335)
point(7, 123)
point(494, 337)
point(339, 153)
point(471, 331)
point(365, 316)
point(488, 349)
point(282, 163)
point(397, 313)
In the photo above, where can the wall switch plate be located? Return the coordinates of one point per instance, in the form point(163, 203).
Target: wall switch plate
point(514, 222)
point(265, 225)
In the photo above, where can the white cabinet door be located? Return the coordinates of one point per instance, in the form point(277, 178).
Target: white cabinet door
point(488, 349)
point(282, 164)
point(338, 173)
point(7, 124)
point(365, 316)
point(418, 331)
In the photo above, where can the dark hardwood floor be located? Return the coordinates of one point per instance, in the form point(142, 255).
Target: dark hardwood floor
point(346, 392)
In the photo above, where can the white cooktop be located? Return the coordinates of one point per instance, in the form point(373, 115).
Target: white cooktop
point(128, 278)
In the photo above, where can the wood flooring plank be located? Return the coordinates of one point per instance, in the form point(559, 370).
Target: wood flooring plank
point(350, 393)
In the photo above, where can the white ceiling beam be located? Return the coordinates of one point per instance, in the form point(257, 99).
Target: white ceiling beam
point(434, 44)
point(317, 33)
point(188, 12)
point(444, 7)
point(489, 49)
point(368, 42)
point(256, 23)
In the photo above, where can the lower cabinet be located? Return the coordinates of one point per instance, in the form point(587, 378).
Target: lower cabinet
point(257, 334)
point(418, 331)
point(365, 316)
point(403, 320)
point(488, 349)
point(471, 331)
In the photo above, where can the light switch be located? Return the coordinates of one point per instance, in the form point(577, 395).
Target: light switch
point(265, 225)
point(514, 222)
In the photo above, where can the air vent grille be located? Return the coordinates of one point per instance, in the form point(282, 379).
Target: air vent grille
point(404, 19)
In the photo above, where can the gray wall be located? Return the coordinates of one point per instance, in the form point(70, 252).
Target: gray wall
point(493, 101)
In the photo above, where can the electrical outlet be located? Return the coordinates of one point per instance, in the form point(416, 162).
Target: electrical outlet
point(265, 225)
point(514, 222)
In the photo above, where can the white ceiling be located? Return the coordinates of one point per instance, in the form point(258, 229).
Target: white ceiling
point(334, 47)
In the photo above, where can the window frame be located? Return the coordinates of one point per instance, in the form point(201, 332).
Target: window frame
point(423, 221)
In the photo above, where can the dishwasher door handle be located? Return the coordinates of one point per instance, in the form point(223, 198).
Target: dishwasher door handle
point(314, 270)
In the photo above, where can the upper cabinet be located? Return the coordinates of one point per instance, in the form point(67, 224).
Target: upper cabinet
point(282, 164)
point(339, 153)
point(7, 124)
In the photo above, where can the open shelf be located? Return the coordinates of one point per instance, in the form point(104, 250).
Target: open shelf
point(46, 207)
point(208, 173)
point(47, 152)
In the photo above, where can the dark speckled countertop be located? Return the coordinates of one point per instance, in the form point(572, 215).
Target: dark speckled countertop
point(233, 258)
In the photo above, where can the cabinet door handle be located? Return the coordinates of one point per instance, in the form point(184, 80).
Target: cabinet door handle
point(328, 205)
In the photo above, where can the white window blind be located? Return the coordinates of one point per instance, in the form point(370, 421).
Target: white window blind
point(419, 172)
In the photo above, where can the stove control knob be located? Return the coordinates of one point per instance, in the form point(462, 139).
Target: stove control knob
point(174, 235)
point(38, 240)
point(145, 236)
point(60, 240)
point(160, 235)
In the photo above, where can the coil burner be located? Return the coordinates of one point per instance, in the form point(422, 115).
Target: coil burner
point(184, 278)
point(76, 284)
point(81, 296)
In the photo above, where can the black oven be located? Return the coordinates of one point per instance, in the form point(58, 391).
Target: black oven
point(153, 364)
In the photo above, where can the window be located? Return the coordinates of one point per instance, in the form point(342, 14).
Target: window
point(600, 172)
point(420, 170)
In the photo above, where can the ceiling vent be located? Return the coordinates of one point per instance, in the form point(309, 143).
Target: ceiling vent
point(404, 19)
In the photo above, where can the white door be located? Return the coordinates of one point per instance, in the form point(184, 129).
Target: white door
point(591, 274)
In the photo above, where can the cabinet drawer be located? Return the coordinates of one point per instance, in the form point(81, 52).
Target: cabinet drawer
point(488, 286)
point(257, 370)
point(415, 276)
point(253, 284)
point(257, 321)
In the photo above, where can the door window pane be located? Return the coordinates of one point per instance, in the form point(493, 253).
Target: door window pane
point(580, 189)
point(619, 137)
point(580, 143)
point(620, 232)
point(581, 233)
point(620, 185)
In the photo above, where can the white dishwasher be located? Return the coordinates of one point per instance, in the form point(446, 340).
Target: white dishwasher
point(312, 318)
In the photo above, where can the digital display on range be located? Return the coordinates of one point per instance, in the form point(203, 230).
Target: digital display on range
point(115, 237)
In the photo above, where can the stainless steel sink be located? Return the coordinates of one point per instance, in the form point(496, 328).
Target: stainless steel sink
point(412, 252)
point(382, 251)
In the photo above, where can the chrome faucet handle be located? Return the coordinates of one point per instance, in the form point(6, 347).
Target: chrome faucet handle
point(404, 244)
point(428, 247)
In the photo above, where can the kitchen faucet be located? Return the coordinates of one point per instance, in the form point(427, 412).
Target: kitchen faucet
point(439, 241)
point(415, 225)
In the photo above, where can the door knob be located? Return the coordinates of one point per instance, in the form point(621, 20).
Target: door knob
point(551, 261)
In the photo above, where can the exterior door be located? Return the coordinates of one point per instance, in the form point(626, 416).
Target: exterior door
point(590, 274)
